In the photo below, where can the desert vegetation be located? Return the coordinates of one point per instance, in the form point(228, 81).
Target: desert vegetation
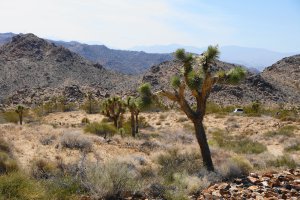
point(144, 146)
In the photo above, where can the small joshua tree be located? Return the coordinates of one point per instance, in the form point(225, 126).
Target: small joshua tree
point(256, 106)
point(114, 108)
point(200, 82)
point(90, 102)
point(20, 111)
point(136, 105)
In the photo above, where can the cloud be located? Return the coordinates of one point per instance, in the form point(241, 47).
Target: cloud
point(117, 23)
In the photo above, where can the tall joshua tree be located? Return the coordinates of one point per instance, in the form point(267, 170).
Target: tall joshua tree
point(20, 112)
point(199, 80)
point(136, 105)
point(114, 108)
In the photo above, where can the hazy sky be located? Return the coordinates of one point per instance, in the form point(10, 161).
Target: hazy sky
point(271, 24)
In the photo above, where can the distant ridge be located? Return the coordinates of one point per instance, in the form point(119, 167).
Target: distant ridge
point(250, 57)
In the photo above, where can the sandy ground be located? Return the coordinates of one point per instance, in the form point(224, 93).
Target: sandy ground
point(27, 146)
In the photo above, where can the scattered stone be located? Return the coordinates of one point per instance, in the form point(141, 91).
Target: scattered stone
point(271, 186)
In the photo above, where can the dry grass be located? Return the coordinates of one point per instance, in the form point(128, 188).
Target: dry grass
point(150, 158)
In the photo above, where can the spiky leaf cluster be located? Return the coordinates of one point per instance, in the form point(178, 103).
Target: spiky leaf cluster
point(175, 81)
point(235, 75)
point(194, 81)
point(145, 99)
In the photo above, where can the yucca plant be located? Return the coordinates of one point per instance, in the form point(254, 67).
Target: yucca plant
point(20, 111)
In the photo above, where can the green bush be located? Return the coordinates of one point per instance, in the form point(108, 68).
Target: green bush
point(174, 162)
point(17, 186)
point(237, 144)
point(7, 164)
point(64, 188)
point(283, 161)
point(101, 129)
point(284, 131)
point(11, 116)
point(294, 147)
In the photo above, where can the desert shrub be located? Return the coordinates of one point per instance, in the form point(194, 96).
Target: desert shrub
point(143, 122)
point(7, 163)
point(85, 120)
point(174, 162)
point(4, 146)
point(95, 106)
point(64, 188)
point(110, 180)
point(212, 107)
point(101, 129)
point(237, 144)
point(283, 161)
point(11, 116)
point(235, 167)
point(42, 169)
point(284, 131)
point(163, 116)
point(17, 186)
point(47, 140)
point(76, 140)
point(293, 147)
point(68, 107)
point(287, 115)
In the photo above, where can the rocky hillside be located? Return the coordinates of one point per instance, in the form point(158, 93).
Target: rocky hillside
point(254, 87)
point(285, 76)
point(128, 62)
point(29, 63)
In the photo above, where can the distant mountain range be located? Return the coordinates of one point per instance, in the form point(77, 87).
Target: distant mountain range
point(249, 57)
point(33, 69)
point(139, 59)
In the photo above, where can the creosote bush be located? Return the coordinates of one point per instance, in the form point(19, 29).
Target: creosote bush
point(101, 129)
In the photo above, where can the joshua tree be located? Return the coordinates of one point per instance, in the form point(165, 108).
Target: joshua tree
point(114, 108)
point(136, 105)
point(200, 81)
point(255, 106)
point(20, 112)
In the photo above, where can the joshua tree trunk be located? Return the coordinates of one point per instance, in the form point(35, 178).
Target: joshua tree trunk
point(90, 107)
point(136, 123)
point(202, 141)
point(115, 119)
point(132, 125)
point(21, 118)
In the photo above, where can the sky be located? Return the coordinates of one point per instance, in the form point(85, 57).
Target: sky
point(123, 24)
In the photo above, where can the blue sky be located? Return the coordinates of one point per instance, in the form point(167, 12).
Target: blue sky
point(270, 24)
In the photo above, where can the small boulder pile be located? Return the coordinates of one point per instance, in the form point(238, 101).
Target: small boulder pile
point(270, 185)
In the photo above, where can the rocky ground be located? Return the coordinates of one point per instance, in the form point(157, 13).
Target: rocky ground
point(269, 185)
